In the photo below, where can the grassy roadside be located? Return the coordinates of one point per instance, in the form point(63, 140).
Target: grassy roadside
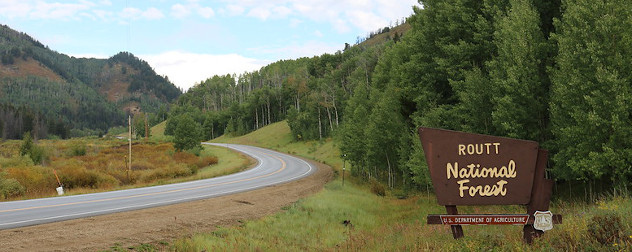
point(391, 224)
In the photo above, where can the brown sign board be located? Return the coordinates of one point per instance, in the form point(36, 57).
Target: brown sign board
point(475, 169)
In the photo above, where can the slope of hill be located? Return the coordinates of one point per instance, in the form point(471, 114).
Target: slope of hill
point(82, 93)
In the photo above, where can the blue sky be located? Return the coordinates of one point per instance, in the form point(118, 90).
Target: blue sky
point(192, 40)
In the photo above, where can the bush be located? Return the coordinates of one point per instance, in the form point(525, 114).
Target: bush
point(74, 175)
point(33, 178)
point(76, 150)
point(142, 165)
point(206, 161)
point(169, 172)
point(36, 153)
point(606, 228)
point(11, 188)
point(377, 188)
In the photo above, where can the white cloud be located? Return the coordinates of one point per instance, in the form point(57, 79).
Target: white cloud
point(184, 10)
point(14, 8)
point(295, 22)
point(152, 13)
point(103, 15)
point(234, 10)
point(307, 49)
point(135, 13)
point(185, 69)
point(206, 12)
point(179, 11)
point(281, 11)
point(366, 20)
point(130, 13)
point(44, 10)
point(260, 13)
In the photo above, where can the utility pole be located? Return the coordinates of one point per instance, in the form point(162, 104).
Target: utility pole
point(129, 160)
point(146, 129)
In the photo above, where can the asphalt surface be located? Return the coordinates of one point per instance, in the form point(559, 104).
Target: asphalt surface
point(272, 168)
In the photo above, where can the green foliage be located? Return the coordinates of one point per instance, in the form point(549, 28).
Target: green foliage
point(28, 148)
point(591, 91)
point(10, 188)
point(520, 84)
point(59, 99)
point(27, 144)
point(139, 122)
point(77, 149)
point(187, 133)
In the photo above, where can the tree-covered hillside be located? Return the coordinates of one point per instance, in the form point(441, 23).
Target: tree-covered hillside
point(557, 72)
point(89, 95)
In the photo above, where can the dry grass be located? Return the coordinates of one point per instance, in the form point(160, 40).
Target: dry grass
point(90, 165)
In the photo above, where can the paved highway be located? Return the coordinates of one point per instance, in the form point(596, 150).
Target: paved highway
point(272, 168)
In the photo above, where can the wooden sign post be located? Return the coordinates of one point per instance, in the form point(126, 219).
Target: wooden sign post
point(474, 169)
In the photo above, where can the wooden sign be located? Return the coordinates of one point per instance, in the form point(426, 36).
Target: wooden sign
point(475, 169)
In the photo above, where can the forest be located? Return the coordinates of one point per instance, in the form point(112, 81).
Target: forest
point(72, 95)
point(556, 72)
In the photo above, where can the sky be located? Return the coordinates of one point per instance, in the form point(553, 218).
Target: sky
point(192, 40)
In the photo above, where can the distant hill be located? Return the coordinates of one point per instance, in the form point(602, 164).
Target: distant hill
point(91, 94)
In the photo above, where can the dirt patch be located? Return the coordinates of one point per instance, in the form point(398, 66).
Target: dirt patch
point(161, 223)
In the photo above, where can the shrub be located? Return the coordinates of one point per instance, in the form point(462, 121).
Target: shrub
point(377, 188)
point(172, 171)
point(206, 161)
point(197, 150)
point(18, 161)
point(73, 175)
point(142, 165)
point(606, 228)
point(185, 157)
point(77, 149)
point(11, 188)
point(33, 178)
point(36, 153)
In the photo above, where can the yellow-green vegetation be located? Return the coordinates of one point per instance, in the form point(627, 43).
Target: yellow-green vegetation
point(387, 223)
point(158, 132)
point(91, 165)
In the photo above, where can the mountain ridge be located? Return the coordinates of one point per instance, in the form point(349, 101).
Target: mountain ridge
point(83, 89)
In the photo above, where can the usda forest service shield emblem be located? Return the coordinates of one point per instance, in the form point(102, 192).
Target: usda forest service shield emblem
point(543, 220)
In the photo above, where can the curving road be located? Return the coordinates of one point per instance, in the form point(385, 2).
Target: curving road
point(272, 168)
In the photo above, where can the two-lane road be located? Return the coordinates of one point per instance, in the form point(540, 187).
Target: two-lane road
point(272, 168)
